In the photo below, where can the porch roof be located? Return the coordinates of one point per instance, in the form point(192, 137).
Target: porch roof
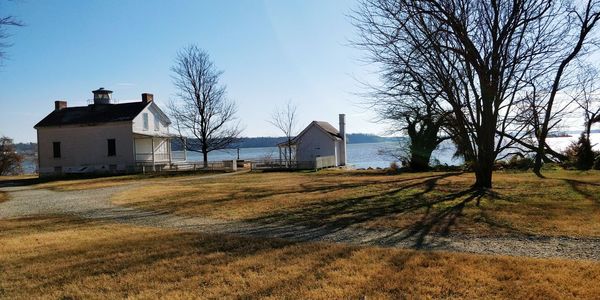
point(285, 144)
point(156, 135)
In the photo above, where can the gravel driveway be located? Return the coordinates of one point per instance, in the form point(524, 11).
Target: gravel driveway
point(95, 204)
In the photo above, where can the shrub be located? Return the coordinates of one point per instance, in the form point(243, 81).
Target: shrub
point(516, 162)
point(580, 154)
point(394, 168)
point(10, 160)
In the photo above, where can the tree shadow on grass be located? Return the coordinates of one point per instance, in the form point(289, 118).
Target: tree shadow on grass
point(579, 187)
point(337, 219)
point(255, 194)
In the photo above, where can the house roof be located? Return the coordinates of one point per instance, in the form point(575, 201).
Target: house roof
point(93, 114)
point(324, 126)
point(328, 128)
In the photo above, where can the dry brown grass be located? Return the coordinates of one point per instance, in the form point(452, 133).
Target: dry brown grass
point(565, 203)
point(85, 182)
point(3, 197)
point(89, 183)
point(57, 258)
point(17, 177)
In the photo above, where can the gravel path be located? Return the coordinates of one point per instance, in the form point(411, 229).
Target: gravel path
point(95, 204)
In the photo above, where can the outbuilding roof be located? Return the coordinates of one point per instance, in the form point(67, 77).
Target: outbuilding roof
point(93, 114)
point(328, 128)
point(324, 126)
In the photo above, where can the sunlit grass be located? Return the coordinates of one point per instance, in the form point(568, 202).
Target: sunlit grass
point(565, 203)
point(58, 258)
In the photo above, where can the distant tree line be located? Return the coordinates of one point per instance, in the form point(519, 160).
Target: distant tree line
point(26, 148)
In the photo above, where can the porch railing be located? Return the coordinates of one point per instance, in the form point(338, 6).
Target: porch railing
point(318, 163)
point(147, 157)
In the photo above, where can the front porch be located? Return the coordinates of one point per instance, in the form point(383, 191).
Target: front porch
point(153, 150)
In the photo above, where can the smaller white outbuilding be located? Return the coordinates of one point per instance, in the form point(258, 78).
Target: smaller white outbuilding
point(319, 145)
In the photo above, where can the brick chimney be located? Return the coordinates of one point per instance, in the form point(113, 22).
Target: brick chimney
point(147, 98)
point(343, 135)
point(59, 105)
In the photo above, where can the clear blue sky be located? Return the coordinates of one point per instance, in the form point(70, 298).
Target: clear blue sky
point(271, 51)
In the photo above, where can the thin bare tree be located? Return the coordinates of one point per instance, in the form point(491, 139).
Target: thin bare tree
point(285, 119)
point(587, 97)
point(5, 23)
point(582, 18)
point(204, 117)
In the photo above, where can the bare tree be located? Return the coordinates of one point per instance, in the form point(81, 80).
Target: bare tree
point(405, 96)
point(583, 21)
point(587, 97)
point(285, 119)
point(580, 154)
point(480, 55)
point(5, 22)
point(10, 160)
point(202, 112)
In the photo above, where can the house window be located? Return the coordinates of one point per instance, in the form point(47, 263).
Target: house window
point(112, 147)
point(145, 117)
point(156, 124)
point(56, 149)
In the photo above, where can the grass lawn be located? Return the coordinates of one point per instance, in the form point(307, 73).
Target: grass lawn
point(3, 197)
point(566, 203)
point(60, 258)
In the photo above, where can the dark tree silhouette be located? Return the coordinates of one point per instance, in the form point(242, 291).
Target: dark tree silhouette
point(581, 22)
point(406, 96)
point(480, 56)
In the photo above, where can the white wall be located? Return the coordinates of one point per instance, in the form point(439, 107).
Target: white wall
point(153, 113)
point(314, 143)
point(339, 153)
point(85, 146)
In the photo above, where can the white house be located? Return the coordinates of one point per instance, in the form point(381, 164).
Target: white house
point(103, 136)
point(318, 145)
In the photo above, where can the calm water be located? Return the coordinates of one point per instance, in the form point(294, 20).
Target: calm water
point(374, 154)
point(359, 155)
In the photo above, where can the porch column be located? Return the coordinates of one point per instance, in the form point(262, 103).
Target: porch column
point(169, 149)
point(153, 158)
point(185, 149)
